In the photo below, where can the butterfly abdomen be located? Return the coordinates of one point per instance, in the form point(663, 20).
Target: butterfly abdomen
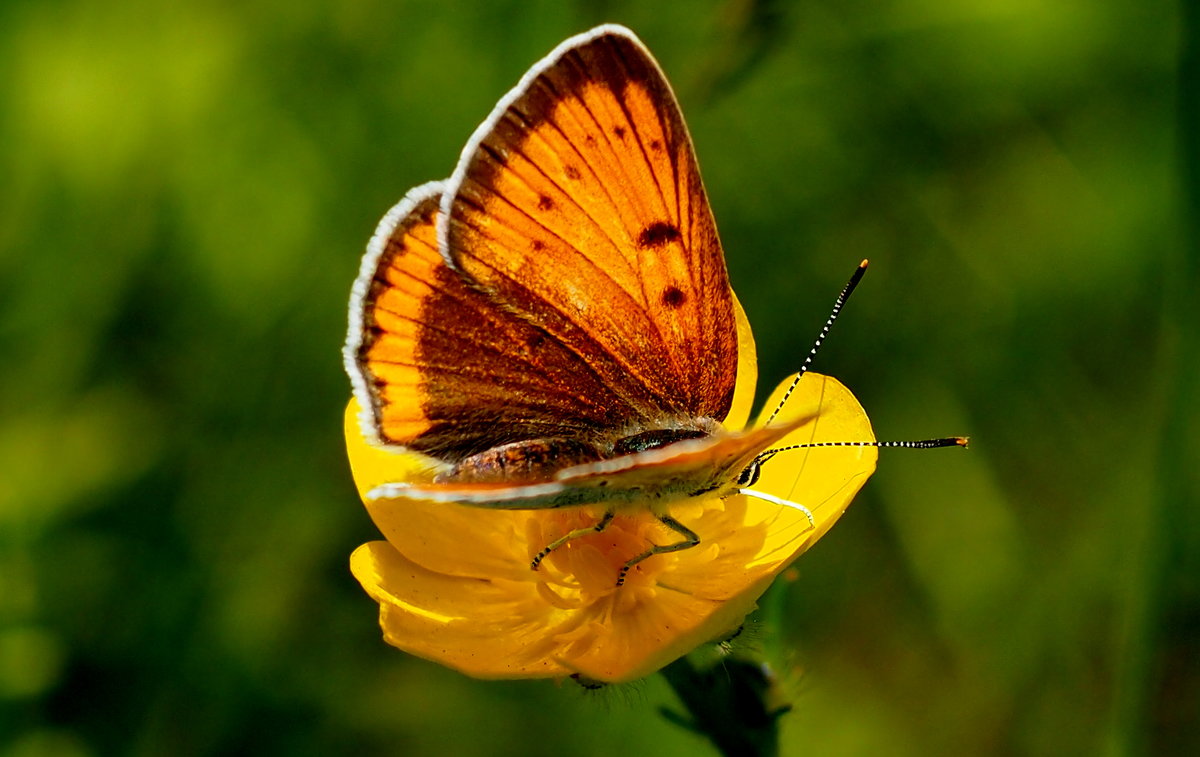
point(531, 460)
point(527, 460)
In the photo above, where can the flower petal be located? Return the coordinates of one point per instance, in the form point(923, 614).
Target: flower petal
point(448, 538)
point(371, 465)
point(757, 540)
point(747, 373)
point(822, 479)
point(458, 540)
point(487, 629)
point(633, 642)
point(720, 568)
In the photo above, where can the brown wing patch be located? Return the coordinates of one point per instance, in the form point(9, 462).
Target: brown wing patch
point(447, 370)
point(583, 210)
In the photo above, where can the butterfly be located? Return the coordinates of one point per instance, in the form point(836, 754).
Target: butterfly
point(553, 326)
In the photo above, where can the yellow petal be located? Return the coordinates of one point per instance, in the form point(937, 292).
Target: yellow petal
point(757, 540)
point(487, 629)
point(823, 479)
point(634, 643)
point(458, 540)
point(372, 466)
point(720, 568)
point(448, 538)
point(747, 373)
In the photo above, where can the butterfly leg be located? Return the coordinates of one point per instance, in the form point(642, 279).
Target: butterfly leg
point(600, 526)
point(690, 539)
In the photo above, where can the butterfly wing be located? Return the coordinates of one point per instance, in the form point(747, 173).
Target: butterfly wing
point(440, 367)
point(610, 312)
point(578, 203)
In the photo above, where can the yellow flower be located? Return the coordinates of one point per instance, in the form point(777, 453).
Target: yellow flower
point(454, 584)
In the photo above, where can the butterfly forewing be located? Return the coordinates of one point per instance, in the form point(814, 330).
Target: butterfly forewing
point(579, 205)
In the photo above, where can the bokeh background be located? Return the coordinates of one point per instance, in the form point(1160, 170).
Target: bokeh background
point(186, 188)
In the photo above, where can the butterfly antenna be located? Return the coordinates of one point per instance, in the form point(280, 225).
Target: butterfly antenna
point(947, 441)
point(837, 308)
point(752, 471)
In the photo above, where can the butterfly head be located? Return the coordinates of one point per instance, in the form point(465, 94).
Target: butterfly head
point(750, 474)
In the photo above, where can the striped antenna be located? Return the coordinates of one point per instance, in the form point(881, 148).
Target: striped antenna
point(837, 308)
point(948, 441)
point(752, 471)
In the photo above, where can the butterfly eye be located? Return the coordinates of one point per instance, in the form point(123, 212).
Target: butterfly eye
point(749, 476)
point(654, 439)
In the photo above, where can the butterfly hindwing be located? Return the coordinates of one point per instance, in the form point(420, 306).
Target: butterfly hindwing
point(440, 367)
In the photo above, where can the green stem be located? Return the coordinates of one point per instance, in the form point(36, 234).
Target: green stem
point(731, 702)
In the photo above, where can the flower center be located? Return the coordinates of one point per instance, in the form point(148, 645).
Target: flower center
point(592, 561)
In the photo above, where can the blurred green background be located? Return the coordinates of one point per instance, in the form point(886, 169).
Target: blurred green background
point(186, 190)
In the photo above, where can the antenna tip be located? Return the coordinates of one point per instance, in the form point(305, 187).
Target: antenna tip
point(864, 263)
point(962, 441)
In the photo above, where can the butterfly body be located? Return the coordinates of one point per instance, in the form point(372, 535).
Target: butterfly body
point(651, 479)
point(553, 326)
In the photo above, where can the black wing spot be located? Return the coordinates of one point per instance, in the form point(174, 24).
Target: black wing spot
point(656, 145)
point(572, 173)
point(673, 297)
point(545, 203)
point(657, 234)
point(537, 245)
point(619, 131)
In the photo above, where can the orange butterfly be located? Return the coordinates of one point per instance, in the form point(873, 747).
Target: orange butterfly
point(553, 326)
